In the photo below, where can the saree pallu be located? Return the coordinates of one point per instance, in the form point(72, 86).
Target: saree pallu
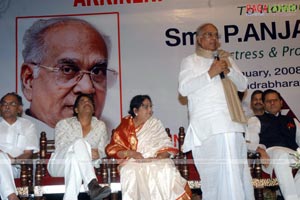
point(148, 179)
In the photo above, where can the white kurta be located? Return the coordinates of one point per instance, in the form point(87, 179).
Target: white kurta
point(14, 139)
point(155, 179)
point(72, 157)
point(211, 133)
point(208, 111)
point(280, 160)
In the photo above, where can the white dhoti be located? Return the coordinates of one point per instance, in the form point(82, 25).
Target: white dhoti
point(74, 163)
point(7, 174)
point(222, 164)
point(154, 180)
point(280, 162)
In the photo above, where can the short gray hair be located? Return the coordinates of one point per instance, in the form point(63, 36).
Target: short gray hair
point(199, 30)
point(34, 43)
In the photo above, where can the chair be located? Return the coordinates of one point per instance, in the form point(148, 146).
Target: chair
point(186, 164)
point(24, 184)
point(260, 180)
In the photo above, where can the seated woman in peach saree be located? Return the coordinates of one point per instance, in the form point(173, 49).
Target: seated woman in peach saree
point(147, 171)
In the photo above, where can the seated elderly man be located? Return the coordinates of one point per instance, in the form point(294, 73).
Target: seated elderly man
point(275, 136)
point(18, 140)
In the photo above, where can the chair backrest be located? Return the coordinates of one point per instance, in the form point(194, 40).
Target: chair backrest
point(25, 182)
point(183, 162)
point(168, 132)
point(48, 146)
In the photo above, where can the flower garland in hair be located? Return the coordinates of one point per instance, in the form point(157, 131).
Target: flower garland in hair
point(296, 156)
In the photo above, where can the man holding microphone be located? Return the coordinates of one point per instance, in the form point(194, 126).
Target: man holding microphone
point(210, 79)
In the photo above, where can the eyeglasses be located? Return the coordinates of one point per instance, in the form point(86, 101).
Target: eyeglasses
point(68, 74)
point(210, 35)
point(13, 104)
point(270, 101)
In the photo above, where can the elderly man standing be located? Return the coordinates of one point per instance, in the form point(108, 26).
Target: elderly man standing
point(18, 140)
point(275, 136)
point(209, 78)
point(63, 57)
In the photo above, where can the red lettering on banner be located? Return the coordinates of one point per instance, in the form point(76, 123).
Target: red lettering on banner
point(121, 1)
point(256, 8)
point(76, 2)
point(109, 2)
point(95, 2)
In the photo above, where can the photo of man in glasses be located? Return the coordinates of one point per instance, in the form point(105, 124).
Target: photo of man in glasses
point(62, 58)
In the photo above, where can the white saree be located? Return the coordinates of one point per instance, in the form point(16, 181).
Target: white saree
point(152, 179)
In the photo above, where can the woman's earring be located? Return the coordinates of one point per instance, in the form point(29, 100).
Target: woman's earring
point(136, 114)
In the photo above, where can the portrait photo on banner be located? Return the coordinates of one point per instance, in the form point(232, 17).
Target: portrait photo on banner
point(59, 57)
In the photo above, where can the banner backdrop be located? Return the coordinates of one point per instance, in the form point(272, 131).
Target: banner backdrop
point(150, 38)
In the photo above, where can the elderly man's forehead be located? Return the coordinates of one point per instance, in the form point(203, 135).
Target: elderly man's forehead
point(10, 96)
point(74, 34)
point(78, 26)
point(209, 27)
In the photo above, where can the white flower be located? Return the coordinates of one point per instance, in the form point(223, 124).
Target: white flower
point(296, 157)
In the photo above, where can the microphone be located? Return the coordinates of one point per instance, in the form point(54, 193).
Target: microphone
point(216, 57)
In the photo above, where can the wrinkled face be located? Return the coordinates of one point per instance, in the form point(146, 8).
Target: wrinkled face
point(209, 38)
point(272, 103)
point(72, 44)
point(256, 102)
point(144, 112)
point(10, 107)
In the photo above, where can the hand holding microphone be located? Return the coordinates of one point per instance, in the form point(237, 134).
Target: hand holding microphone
point(218, 66)
point(216, 57)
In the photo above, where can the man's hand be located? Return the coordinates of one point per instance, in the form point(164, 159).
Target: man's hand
point(135, 155)
point(95, 154)
point(217, 67)
point(163, 155)
point(27, 154)
point(264, 157)
point(13, 196)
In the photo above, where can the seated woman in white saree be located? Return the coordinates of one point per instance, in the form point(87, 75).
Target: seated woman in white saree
point(147, 172)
